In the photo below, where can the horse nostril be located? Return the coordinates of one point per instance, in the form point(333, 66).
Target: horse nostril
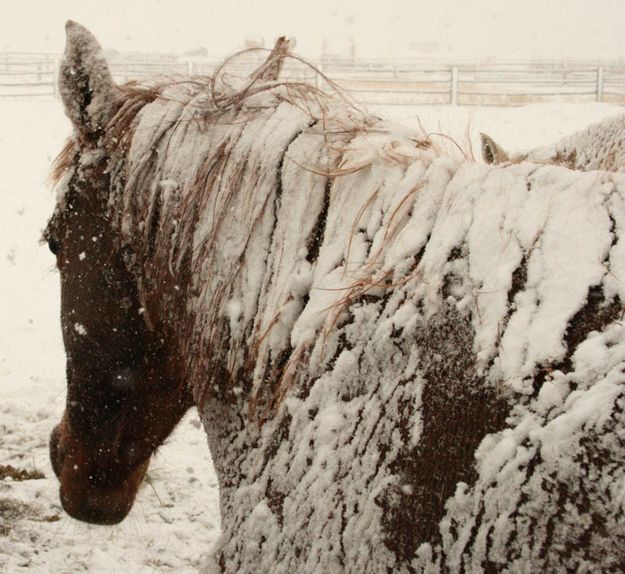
point(57, 453)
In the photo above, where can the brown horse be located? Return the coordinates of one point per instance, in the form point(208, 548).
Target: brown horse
point(404, 361)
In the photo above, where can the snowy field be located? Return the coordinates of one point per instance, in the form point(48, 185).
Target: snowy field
point(176, 516)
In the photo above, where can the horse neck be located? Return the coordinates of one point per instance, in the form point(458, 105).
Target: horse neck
point(241, 227)
point(199, 210)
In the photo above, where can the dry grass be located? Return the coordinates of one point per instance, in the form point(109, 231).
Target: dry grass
point(19, 474)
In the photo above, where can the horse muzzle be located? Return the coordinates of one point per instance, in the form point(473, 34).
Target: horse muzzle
point(87, 493)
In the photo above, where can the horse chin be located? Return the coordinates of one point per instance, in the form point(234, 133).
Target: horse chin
point(87, 502)
point(81, 497)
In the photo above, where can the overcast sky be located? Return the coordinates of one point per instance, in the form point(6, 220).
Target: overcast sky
point(385, 28)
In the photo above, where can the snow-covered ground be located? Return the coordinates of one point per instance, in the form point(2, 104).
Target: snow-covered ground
point(175, 518)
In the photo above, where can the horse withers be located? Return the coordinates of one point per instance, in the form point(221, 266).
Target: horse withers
point(403, 360)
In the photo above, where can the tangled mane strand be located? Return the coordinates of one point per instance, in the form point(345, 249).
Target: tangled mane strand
point(225, 97)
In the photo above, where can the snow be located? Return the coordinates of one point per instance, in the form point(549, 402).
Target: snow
point(80, 329)
point(176, 516)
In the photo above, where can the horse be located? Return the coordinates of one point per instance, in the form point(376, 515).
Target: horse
point(403, 360)
point(600, 146)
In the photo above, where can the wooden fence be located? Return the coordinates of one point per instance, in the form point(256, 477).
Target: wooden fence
point(376, 82)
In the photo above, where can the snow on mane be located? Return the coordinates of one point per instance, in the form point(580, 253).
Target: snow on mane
point(392, 197)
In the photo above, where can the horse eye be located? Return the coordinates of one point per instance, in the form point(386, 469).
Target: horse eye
point(53, 245)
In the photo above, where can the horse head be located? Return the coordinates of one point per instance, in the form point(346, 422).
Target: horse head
point(124, 390)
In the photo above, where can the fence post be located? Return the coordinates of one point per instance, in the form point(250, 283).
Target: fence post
point(189, 68)
point(317, 75)
point(454, 86)
point(600, 83)
point(56, 65)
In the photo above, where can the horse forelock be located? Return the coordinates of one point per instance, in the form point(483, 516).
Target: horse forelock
point(63, 161)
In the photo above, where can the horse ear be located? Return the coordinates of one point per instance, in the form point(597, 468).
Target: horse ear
point(491, 152)
point(89, 94)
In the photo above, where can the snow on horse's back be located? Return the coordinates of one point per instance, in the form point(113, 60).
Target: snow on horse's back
point(403, 360)
point(600, 146)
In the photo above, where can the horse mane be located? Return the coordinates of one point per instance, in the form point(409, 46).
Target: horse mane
point(145, 195)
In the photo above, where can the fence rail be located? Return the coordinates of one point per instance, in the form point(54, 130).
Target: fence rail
point(375, 82)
